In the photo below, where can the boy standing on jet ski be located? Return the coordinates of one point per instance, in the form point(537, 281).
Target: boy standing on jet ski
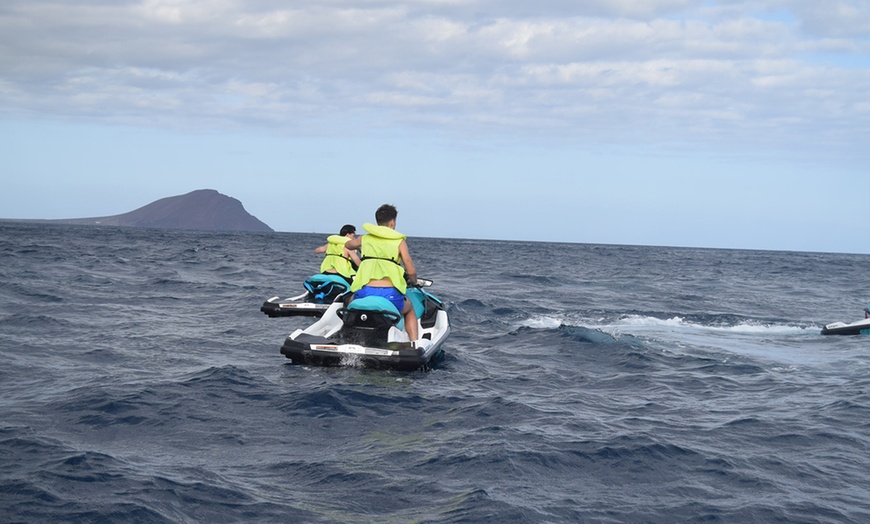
point(381, 272)
point(339, 259)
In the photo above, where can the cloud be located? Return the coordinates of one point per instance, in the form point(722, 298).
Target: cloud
point(663, 71)
point(839, 19)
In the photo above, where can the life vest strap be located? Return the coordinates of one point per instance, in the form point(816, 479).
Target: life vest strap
point(364, 258)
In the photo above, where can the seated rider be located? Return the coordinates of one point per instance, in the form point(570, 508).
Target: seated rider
point(867, 312)
point(384, 252)
point(339, 259)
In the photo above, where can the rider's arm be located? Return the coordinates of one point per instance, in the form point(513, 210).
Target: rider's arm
point(410, 270)
point(353, 244)
point(353, 256)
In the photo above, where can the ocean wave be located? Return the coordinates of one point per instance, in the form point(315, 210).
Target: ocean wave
point(43, 321)
point(718, 323)
point(638, 324)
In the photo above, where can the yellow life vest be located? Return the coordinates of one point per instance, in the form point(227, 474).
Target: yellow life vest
point(380, 258)
point(335, 259)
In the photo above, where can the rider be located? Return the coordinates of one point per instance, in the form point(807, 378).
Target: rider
point(339, 259)
point(384, 252)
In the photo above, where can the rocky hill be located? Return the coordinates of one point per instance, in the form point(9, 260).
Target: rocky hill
point(203, 209)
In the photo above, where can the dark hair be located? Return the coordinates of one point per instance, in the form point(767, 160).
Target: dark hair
point(385, 213)
point(347, 229)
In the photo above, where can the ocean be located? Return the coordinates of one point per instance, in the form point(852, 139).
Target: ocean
point(581, 383)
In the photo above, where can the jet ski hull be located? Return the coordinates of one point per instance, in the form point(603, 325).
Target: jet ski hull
point(860, 327)
point(400, 356)
point(292, 307)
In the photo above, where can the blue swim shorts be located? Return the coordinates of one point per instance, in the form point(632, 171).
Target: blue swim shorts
point(390, 293)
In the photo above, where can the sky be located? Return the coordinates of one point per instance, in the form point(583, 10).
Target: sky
point(697, 123)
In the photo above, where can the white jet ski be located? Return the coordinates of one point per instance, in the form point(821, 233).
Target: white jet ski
point(321, 290)
point(369, 332)
point(859, 327)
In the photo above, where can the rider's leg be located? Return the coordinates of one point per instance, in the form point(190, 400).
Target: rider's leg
point(410, 320)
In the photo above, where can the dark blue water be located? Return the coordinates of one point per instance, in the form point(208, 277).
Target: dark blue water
point(139, 382)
